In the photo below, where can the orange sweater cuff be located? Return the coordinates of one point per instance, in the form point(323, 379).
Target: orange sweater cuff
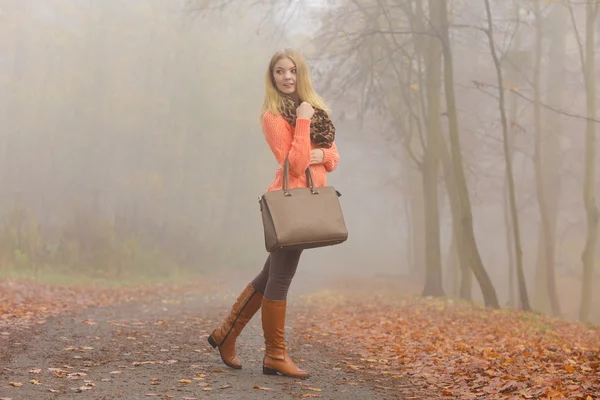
point(303, 126)
point(327, 157)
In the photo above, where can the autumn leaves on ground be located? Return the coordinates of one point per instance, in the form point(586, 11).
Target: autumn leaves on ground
point(397, 345)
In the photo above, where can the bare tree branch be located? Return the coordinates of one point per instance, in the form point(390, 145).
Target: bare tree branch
point(577, 36)
point(481, 86)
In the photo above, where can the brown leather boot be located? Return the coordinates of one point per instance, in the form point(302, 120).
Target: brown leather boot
point(244, 308)
point(276, 359)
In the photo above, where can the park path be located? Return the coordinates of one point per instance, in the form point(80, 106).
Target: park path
point(158, 349)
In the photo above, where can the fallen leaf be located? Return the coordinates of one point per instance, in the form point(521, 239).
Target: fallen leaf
point(15, 384)
point(76, 375)
point(185, 381)
point(260, 387)
point(463, 349)
point(525, 395)
point(509, 387)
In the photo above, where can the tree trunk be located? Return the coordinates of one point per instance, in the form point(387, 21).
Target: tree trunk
point(548, 238)
point(551, 155)
point(453, 267)
point(409, 239)
point(417, 210)
point(469, 243)
point(507, 158)
point(457, 249)
point(589, 200)
point(510, 244)
point(518, 62)
point(433, 263)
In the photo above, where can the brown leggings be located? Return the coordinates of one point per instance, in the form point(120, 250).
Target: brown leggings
point(276, 276)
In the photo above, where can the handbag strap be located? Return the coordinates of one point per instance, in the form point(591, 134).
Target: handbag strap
point(285, 184)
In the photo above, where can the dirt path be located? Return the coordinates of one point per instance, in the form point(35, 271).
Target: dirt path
point(145, 350)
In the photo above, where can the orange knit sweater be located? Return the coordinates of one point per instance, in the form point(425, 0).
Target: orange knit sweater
point(284, 140)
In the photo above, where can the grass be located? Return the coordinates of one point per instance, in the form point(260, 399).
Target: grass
point(593, 326)
point(60, 277)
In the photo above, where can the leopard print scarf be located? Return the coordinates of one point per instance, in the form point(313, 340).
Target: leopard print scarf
point(322, 131)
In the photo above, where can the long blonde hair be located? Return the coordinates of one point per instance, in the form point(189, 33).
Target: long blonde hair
point(274, 98)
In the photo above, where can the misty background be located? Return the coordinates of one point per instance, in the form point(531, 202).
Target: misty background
point(130, 141)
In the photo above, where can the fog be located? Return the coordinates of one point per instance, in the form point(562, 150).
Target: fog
point(130, 141)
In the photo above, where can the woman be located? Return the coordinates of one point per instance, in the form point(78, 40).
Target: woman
point(295, 124)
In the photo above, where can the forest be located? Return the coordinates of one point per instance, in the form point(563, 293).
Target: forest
point(132, 159)
point(469, 131)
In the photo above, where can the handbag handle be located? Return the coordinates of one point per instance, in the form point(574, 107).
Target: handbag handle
point(285, 184)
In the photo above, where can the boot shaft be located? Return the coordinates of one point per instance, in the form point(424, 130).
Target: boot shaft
point(276, 360)
point(273, 321)
point(244, 308)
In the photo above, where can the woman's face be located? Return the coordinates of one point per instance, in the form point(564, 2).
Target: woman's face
point(284, 74)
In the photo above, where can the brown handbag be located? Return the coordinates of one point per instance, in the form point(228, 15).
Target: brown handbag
point(302, 218)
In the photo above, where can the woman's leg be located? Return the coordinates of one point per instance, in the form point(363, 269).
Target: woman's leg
point(260, 281)
point(244, 308)
point(282, 269)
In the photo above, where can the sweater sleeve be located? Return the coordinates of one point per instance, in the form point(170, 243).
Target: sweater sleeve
point(331, 158)
point(297, 150)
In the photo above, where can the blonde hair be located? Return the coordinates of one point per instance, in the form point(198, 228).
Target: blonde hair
point(274, 98)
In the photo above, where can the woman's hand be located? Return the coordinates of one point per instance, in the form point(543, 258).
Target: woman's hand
point(304, 111)
point(316, 156)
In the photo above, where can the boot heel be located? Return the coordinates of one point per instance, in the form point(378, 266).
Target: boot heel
point(269, 371)
point(212, 342)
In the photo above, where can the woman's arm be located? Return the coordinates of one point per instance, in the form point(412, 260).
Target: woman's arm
point(297, 150)
point(331, 158)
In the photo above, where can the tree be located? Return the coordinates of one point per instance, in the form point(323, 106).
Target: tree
point(548, 230)
point(508, 162)
point(552, 153)
point(433, 62)
point(588, 65)
point(466, 240)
